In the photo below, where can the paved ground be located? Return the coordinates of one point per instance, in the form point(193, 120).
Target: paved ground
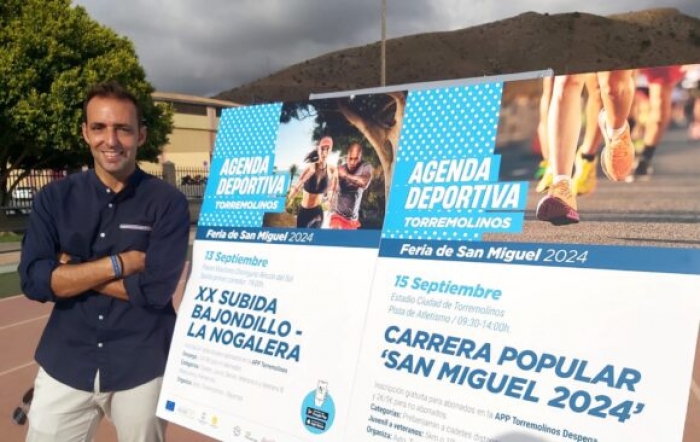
point(9, 255)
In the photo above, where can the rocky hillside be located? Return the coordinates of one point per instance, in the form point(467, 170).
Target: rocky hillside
point(567, 43)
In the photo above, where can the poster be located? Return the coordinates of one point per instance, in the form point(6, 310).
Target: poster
point(271, 322)
point(462, 308)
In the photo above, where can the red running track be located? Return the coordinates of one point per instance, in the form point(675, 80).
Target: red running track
point(21, 324)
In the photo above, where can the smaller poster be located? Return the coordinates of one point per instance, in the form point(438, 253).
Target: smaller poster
point(269, 331)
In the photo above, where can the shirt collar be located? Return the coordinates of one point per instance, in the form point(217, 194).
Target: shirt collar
point(132, 182)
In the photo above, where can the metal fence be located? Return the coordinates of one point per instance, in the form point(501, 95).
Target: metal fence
point(23, 185)
point(33, 178)
point(191, 180)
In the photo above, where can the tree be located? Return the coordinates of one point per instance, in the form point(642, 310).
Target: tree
point(50, 53)
point(293, 170)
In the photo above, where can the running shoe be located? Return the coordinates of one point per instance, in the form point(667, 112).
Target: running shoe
point(586, 176)
point(559, 206)
point(617, 157)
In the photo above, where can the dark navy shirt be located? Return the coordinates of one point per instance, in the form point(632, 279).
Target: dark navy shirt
point(127, 342)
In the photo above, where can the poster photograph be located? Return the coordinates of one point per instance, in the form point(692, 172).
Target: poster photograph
point(522, 265)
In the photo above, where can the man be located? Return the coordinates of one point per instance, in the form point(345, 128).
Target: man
point(107, 247)
point(353, 179)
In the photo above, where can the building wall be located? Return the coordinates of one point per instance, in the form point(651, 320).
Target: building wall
point(195, 124)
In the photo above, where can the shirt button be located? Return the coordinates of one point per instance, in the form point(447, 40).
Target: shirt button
point(99, 344)
point(100, 317)
point(102, 235)
point(109, 190)
point(110, 205)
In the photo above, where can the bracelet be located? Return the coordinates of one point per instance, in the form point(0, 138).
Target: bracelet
point(116, 265)
point(121, 264)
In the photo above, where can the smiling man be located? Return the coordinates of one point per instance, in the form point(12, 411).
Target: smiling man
point(107, 247)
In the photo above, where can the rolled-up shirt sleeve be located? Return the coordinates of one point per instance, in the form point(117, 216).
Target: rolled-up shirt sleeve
point(165, 257)
point(39, 251)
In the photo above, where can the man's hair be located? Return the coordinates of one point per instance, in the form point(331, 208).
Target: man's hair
point(112, 89)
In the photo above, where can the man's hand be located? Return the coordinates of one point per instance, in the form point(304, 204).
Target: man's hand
point(63, 258)
point(133, 261)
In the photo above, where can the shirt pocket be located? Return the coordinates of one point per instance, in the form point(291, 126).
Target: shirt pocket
point(135, 236)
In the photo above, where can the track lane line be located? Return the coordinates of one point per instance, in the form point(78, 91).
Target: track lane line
point(26, 321)
point(19, 367)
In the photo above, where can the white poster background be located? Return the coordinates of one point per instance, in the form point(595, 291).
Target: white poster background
point(644, 321)
point(229, 393)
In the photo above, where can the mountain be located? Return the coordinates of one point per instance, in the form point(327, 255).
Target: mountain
point(567, 43)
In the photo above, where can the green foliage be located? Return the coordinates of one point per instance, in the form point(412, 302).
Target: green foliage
point(293, 171)
point(50, 53)
point(10, 237)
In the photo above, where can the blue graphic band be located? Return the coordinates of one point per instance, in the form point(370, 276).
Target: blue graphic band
point(641, 259)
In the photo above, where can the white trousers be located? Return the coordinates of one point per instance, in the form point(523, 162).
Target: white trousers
point(60, 413)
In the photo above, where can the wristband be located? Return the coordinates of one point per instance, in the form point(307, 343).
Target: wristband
point(116, 265)
point(121, 264)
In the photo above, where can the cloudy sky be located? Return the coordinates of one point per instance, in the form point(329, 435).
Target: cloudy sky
point(203, 47)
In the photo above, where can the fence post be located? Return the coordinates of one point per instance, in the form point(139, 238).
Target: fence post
point(169, 175)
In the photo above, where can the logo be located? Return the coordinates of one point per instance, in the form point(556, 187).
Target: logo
point(170, 405)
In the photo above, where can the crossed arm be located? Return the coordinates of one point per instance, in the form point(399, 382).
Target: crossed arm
point(147, 278)
point(69, 280)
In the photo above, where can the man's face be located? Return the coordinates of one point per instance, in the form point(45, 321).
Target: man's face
point(353, 158)
point(114, 134)
point(325, 145)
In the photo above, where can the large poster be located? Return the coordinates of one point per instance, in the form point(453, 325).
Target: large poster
point(395, 266)
point(270, 326)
